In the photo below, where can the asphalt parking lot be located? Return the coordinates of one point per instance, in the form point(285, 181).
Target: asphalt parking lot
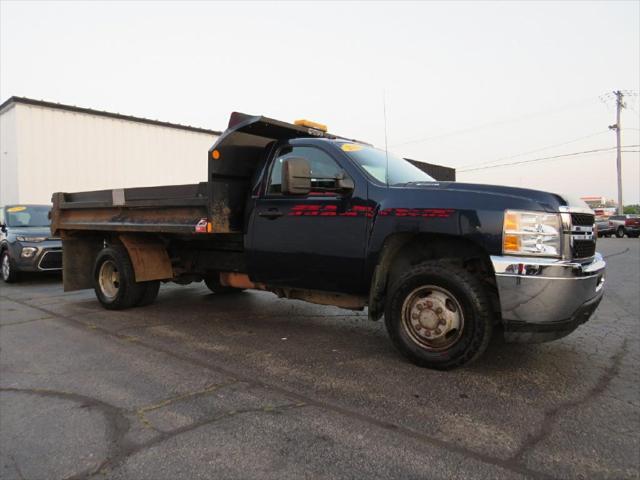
point(251, 386)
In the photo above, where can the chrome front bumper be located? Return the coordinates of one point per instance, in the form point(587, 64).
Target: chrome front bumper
point(545, 299)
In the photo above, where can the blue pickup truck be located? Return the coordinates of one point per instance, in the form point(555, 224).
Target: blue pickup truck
point(309, 215)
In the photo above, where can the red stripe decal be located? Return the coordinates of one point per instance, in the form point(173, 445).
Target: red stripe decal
point(365, 211)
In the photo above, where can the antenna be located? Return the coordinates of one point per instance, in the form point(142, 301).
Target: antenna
point(386, 151)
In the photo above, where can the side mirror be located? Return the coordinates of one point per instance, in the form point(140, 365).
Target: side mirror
point(344, 183)
point(3, 227)
point(296, 176)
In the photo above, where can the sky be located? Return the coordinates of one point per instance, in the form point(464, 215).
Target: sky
point(469, 85)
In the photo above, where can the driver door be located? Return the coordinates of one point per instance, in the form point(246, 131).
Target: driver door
point(313, 241)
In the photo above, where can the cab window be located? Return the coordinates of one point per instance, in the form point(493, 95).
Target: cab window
point(324, 169)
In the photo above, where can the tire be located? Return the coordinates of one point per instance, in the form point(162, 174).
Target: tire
point(150, 293)
point(633, 235)
point(8, 267)
point(114, 279)
point(620, 232)
point(446, 303)
point(213, 284)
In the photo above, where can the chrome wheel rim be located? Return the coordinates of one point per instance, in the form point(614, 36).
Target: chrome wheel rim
point(433, 318)
point(109, 279)
point(6, 266)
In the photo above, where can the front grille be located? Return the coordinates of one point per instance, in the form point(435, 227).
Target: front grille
point(584, 248)
point(51, 260)
point(583, 241)
point(582, 219)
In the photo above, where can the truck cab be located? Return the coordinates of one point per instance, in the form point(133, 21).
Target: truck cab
point(309, 215)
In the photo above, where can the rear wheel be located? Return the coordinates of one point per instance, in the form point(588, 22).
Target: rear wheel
point(438, 315)
point(150, 294)
point(213, 284)
point(114, 279)
point(9, 272)
point(620, 232)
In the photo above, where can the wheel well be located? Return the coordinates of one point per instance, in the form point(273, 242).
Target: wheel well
point(404, 250)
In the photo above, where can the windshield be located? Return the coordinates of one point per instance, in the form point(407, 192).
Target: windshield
point(28, 216)
point(374, 162)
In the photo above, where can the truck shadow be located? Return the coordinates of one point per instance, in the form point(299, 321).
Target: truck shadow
point(264, 321)
point(259, 329)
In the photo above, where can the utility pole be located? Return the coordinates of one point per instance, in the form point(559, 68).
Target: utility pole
point(617, 127)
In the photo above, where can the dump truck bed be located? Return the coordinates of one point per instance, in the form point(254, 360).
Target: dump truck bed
point(175, 209)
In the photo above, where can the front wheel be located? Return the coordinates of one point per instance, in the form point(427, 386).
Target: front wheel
point(620, 232)
point(9, 272)
point(439, 316)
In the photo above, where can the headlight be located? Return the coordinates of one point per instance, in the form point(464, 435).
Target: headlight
point(31, 239)
point(28, 252)
point(531, 233)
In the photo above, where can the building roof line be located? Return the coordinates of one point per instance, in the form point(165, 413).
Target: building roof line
point(91, 111)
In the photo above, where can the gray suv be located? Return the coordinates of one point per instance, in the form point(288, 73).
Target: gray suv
point(26, 244)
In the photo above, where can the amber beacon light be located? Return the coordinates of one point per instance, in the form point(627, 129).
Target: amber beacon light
point(310, 124)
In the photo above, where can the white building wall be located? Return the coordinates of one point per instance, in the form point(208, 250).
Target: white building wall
point(66, 151)
point(9, 192)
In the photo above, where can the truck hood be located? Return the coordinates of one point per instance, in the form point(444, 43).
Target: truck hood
point(546, 200)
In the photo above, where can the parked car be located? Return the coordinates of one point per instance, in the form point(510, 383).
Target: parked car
point(26, 244)
point(604, 227)
point(628, 224)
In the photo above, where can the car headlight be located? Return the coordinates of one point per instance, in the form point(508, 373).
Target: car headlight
point(531, 233)
point(31, 239)
point(28, 252)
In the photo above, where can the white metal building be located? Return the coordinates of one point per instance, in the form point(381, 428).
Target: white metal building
point(49, 147)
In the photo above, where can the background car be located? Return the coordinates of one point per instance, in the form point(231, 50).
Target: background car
point(628, 224)
point(604, 228)
point(26, 244)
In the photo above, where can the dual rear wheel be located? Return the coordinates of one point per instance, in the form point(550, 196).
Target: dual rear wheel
point(213, 284)
point(114, 281)
point(116, 288)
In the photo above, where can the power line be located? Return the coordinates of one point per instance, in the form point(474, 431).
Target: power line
point(537, 149)
point(573, 154)
point(497, 122)
point(633, 110)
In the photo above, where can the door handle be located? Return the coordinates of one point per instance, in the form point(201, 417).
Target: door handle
point(271, 213)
